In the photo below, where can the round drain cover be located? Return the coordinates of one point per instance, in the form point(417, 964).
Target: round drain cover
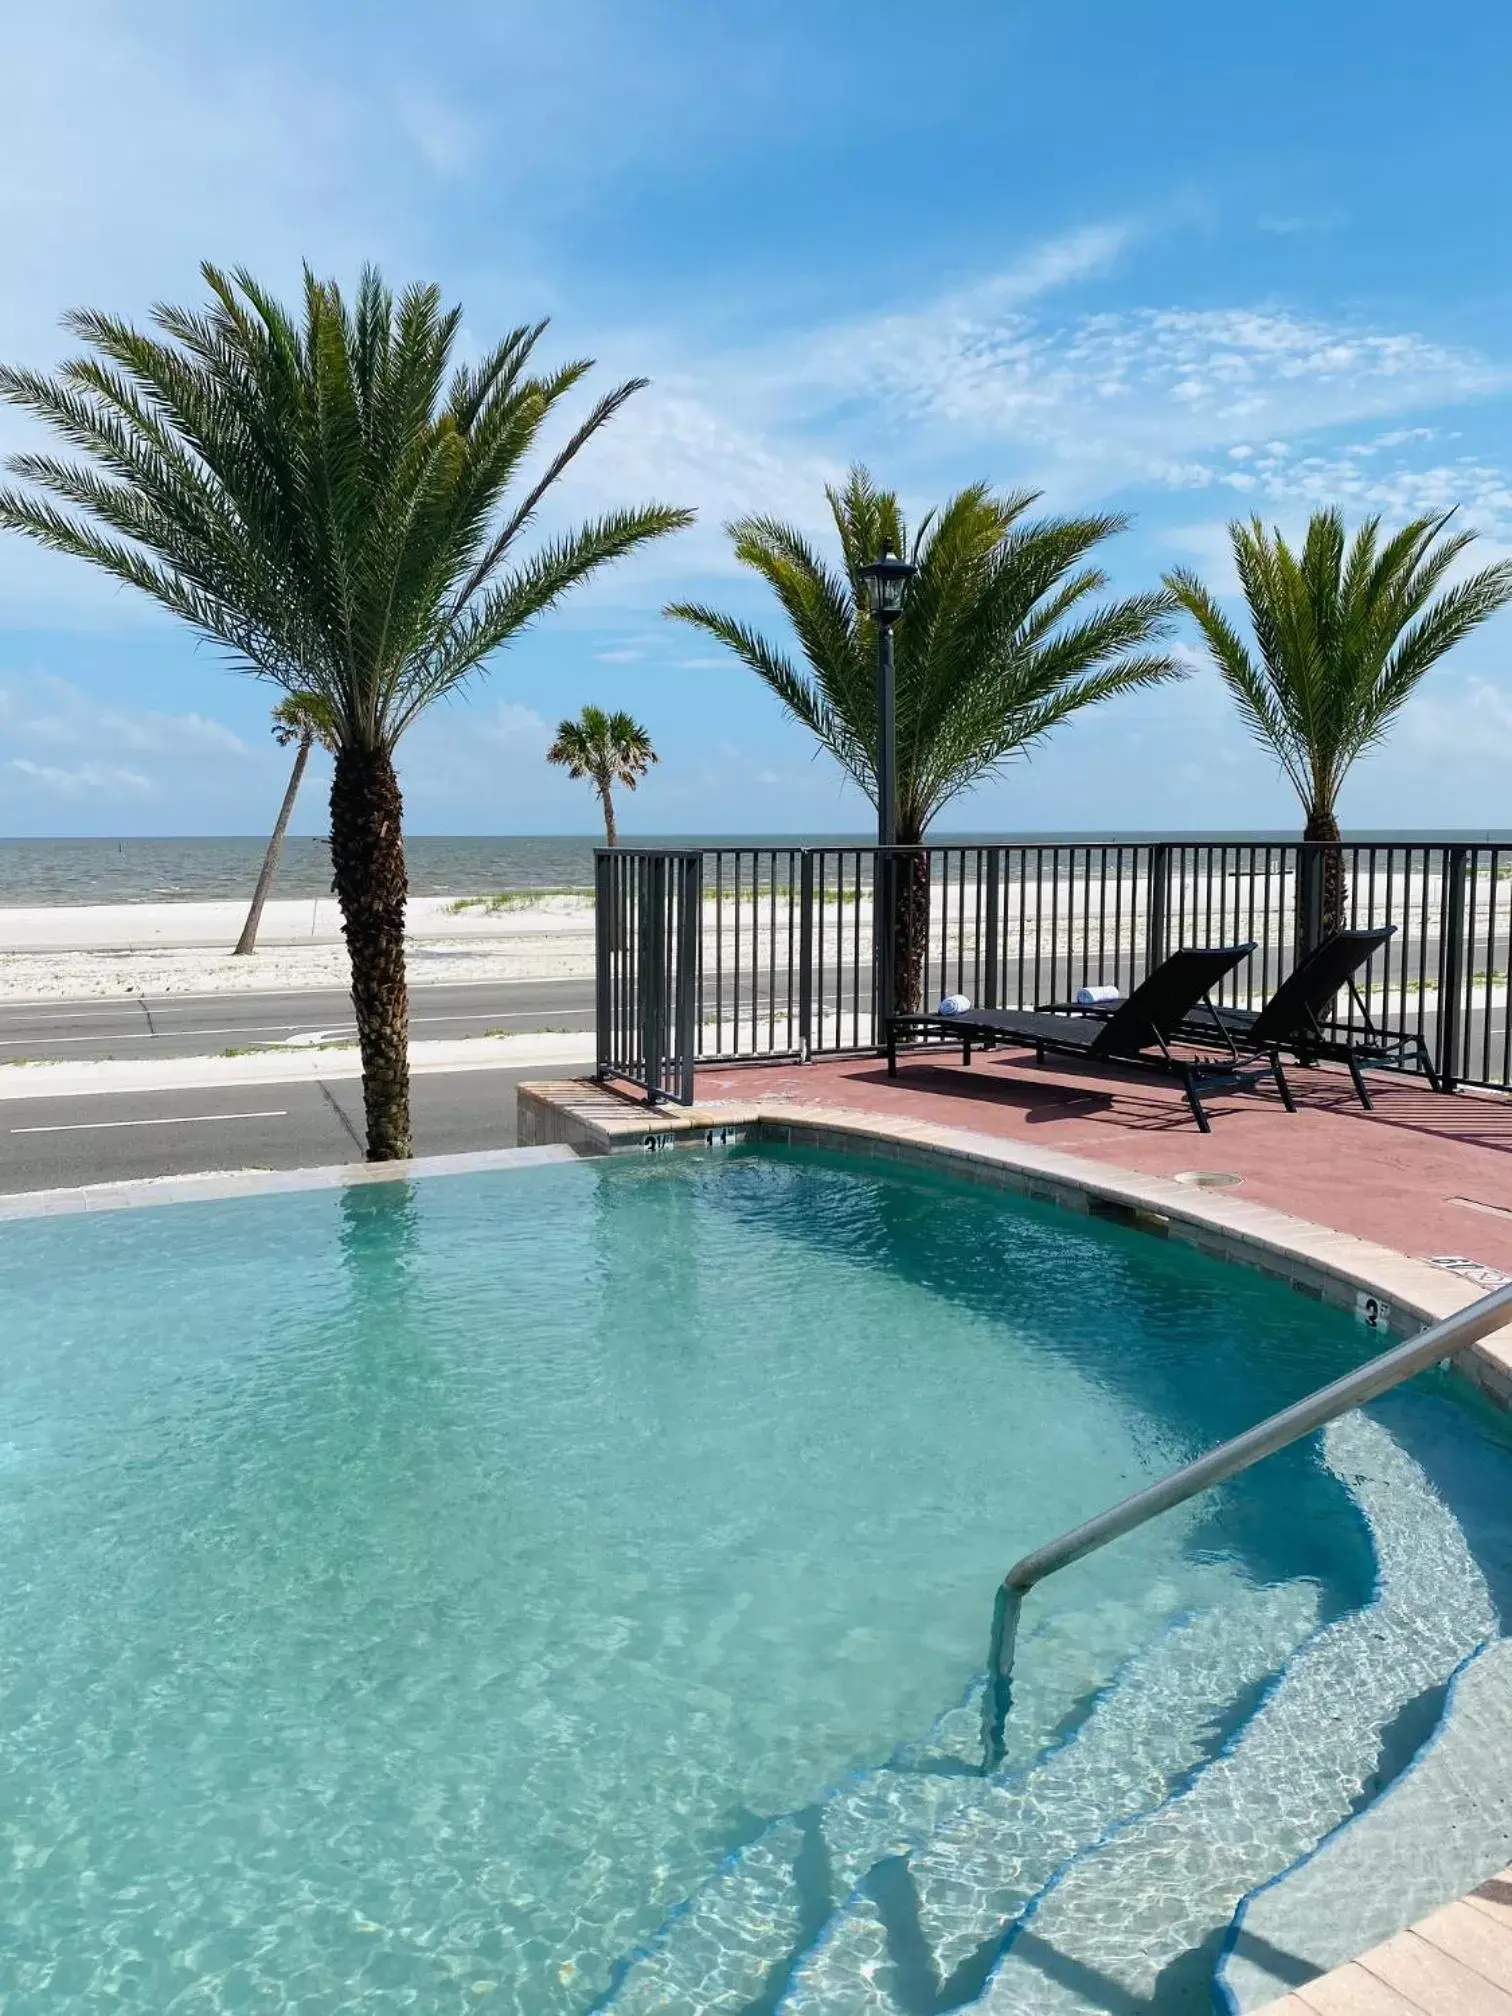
point(1209, 1179)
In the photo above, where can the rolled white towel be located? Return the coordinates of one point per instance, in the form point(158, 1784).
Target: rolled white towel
point(954, 1004)
point(1097, 997)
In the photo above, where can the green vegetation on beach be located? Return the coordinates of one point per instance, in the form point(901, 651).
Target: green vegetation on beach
point(513, 899)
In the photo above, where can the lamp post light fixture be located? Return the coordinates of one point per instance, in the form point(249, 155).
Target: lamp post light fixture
point(886, 578)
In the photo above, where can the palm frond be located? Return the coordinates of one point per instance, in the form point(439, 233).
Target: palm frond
point(319, 490)
point(609, 748)
point(991, 653)
point(513, 604)
point(1344, 630)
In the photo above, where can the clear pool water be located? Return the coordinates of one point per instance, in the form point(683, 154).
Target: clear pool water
point(408, 1594)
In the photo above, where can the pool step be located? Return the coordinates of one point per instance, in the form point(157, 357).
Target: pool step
point(1137, 1921)
point(737, 1941)
point(730, 1944)
point(922, 1933)
point(1441, 1829)
point(727, 1945)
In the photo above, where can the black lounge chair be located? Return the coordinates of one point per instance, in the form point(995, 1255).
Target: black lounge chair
point(1137, 1032)
point(1299, 1019)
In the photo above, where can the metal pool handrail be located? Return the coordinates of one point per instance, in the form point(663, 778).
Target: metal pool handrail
point(1440, 1341)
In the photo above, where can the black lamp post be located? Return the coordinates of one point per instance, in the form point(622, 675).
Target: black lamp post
point(886, 578)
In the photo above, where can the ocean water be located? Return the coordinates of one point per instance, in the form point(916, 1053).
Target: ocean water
point(194, 870)
point(409, 1594)
point(207, 870)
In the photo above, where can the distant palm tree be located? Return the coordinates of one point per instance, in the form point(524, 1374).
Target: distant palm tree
point(1344, 631)
point(325, 496)
point(996, 647)
point(609, 749)
point(301, 718)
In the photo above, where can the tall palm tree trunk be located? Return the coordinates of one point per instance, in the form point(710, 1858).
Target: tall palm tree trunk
point(1320, 884)
point(910, 923)
point(248, 939)
point(606, 799)
point(367, 862)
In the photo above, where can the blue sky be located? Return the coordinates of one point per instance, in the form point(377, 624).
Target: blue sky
point(1179, 260)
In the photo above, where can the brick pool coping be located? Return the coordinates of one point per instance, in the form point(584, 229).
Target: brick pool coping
point(1331, 1266)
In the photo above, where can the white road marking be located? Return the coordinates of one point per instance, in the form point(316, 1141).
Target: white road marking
point(504, 1015)
point(181, 1120)
point(496, 1014)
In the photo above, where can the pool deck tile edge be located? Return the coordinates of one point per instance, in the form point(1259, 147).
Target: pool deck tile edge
point(214, 1188)
point(1455, 1962)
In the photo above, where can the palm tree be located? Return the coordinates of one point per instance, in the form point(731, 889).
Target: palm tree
point(996, 647)
point(608, 748)
point(325, 496)
point(1344, 630)
point(300, 718)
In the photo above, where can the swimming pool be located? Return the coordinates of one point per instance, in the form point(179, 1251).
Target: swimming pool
point(526, 1590)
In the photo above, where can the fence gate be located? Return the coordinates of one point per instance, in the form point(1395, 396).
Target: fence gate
point(646, 922)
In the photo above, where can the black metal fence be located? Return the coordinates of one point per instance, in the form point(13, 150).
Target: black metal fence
point(745, 952)
point(646, 922)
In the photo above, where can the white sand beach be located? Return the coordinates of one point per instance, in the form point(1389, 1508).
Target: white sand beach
point(97, 951)
point(155, 949)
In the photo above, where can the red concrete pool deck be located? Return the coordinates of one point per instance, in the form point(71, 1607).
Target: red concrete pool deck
point(1428, 1174)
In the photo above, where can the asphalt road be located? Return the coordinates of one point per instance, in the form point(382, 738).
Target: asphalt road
point(114, 1137)
point(204, 1025)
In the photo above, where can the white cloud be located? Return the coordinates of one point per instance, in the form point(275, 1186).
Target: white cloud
point(1207, 548)
point(510, 722)
point(1076, 255)
point(856, 349)
point(1365, 476)
point(1135, 389)
point(1459, 721)
point(678, 443)
point(1190, 656)
point(446, 139)
point(218, 133)
point(41, 709)
point(1300, 225)
point(88, 777)
point(724, 768)
point(56, 739)
point(743, 432)
point(1235, 398)
point(489, 763)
